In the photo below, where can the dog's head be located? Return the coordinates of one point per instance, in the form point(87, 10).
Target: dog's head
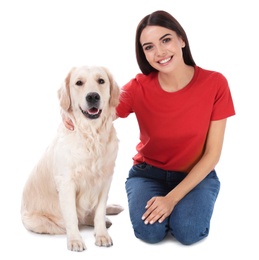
point(90, 91)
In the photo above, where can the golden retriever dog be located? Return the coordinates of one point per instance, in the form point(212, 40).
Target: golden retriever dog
point(69, 186)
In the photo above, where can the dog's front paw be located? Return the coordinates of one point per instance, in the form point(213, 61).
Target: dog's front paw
point(76, 245)
point(103, 241)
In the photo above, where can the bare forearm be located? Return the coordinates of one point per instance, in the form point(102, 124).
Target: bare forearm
point(194, 177)
point(206, 164)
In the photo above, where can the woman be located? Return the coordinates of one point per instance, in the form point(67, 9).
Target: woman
point(181, 111)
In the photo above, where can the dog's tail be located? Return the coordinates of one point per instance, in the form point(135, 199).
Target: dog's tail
point(113, 209)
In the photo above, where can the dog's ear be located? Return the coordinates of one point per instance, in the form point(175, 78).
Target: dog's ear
point(114, 90)
point(64, 94)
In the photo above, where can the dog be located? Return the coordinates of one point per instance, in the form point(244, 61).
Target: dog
point(69, 186)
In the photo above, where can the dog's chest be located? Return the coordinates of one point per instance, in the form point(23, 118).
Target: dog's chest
point(94, 147)
point(86, 154)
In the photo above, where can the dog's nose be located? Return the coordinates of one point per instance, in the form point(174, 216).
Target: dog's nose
point(92, 98)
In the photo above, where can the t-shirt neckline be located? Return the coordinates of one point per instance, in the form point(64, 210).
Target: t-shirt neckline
point(196, 68)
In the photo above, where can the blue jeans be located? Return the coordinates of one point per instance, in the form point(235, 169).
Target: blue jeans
point(189, 221)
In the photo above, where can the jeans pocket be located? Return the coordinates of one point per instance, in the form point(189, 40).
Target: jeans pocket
point(138, 170)
point(141, 167)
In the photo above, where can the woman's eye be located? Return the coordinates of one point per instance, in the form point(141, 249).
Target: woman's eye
point(148, 47)
point(101, 81)
point(166, 40)
point(79, 83)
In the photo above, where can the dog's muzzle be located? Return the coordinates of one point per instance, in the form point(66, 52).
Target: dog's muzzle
point(93, 104)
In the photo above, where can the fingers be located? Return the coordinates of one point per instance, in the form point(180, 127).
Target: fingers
point(152, 215)
point(69, 124)
point(149, 209)
point(67, 121)
point(157, 209)
point(160, 220)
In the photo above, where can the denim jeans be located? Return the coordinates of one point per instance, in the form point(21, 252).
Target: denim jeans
point(189, 221)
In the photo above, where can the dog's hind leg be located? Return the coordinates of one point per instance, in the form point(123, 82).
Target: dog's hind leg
point(89, 221)
point(43, 224)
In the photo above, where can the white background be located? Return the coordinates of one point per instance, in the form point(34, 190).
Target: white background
point(42, 40)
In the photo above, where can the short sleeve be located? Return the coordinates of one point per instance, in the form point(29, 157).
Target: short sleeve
point(223, 104)
point(126, 100)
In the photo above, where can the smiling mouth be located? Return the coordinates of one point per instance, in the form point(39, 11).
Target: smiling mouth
point(165, 60)
point(92, 113)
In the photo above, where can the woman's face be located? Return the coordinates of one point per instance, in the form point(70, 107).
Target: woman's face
point(162, 48)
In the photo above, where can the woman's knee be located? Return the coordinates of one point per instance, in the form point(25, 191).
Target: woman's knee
point(150, 233)
point(188, 235)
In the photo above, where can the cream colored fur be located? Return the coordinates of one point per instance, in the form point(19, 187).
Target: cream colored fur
point(69, 185)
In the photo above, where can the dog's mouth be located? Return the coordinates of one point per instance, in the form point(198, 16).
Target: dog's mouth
point(91, 113)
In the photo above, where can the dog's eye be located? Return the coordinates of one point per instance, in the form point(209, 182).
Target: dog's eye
point(101, 81)
point(79, 83)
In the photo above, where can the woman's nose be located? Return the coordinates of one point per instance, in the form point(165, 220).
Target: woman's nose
point(161, 51)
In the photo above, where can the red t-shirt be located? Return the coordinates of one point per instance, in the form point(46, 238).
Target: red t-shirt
point(174, 125)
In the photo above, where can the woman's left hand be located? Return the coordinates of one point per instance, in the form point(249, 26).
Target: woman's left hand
point(157, 209)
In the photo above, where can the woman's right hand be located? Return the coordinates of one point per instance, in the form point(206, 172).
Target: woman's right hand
point(67, 121)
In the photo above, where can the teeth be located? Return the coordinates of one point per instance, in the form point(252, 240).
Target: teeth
point(93, 111)
point(164, 61)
